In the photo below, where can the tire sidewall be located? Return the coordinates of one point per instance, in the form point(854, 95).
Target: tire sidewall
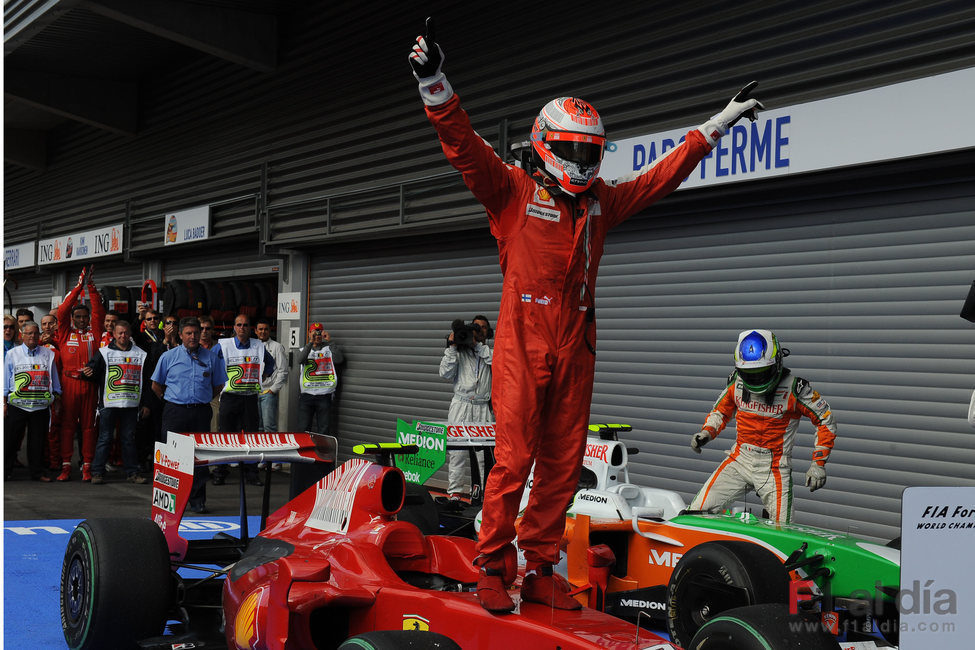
point(79, 563)
point(762, 627)
point(399, 640)
point(122, 570)
point(735, 563)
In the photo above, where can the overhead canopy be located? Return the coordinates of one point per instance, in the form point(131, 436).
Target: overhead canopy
point(83, 60)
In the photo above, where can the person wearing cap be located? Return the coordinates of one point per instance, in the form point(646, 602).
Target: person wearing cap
point(470, 370)
point(767, 402)
point(318, 380)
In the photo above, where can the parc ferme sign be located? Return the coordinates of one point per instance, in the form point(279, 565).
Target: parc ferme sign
point(899, 121)
point(97, 242)
point(187, 226)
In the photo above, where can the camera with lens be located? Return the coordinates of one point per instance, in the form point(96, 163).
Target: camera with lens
point(464, 334)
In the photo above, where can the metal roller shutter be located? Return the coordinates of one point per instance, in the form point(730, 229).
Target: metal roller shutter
point(28, 290)
point(213, 265)
point(109, 274)
point(864, 285)
point(213, 131)
point(391, 306)
point(867, 298)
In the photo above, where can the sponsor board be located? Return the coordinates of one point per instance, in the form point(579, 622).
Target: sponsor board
point(289, 306)
point(18, 256)
point(937, 586)
point(97, 242)
point(186, 226)
point(431, 438)
point(796, 139)
point(469, 434)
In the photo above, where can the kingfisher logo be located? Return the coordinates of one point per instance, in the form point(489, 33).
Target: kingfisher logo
point(597, 451)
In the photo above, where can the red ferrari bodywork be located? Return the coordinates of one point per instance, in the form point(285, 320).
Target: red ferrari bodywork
point(335, 562)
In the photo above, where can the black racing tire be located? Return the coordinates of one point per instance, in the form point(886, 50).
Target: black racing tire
point(762, 627)
point(717, 576)
point(399, 640)
point(116, 585)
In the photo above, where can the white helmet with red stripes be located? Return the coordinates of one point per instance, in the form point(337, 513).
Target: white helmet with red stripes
point(567, 141)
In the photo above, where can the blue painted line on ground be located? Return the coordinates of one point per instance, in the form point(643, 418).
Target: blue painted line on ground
point(32, 555)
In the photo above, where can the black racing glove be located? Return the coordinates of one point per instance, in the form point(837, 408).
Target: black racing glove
point(741, 105)
point(426, 59)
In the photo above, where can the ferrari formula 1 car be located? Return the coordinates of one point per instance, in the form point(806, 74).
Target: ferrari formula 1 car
point(333, 567)
point(638, 552)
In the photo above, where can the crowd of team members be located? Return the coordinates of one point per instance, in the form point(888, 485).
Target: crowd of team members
point(86, 374)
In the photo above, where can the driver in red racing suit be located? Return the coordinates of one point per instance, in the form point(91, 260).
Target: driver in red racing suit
point(78, 344)
point(550, 228)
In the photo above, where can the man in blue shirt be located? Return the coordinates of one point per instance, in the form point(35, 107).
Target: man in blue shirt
point(187, 377)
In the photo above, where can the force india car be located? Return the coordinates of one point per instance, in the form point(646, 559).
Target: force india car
point(333, 567)
point(638, 552)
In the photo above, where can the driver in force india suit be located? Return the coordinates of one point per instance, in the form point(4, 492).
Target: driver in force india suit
point(767, 403)
point(550, 228)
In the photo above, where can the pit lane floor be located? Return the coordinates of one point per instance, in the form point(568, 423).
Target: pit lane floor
point(39, 518)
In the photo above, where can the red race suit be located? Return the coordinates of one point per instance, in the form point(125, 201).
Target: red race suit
point(79, 398)
point(54, 433)
point(550, 245)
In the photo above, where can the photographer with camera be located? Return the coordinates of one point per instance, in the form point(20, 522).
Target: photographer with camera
point(467, 363)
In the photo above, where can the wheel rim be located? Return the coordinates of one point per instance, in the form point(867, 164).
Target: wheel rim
point(78, 588)
point(712, 599)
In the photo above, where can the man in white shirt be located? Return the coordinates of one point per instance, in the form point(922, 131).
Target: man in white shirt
point(267, 400)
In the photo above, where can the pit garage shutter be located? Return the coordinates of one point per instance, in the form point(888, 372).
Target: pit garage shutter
point(28, 289)
point(204, 264)
point(390, 305)
point(861, 273)
point(108, 274)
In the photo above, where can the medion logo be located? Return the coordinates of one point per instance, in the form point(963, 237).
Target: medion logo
point(642, 604)
point(664, 559)
point(595, 498)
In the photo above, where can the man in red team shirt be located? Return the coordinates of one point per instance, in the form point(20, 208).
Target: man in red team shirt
point(78, 343)
point(49, 332)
